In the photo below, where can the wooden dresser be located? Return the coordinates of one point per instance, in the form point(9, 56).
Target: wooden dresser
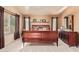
point(70, 38)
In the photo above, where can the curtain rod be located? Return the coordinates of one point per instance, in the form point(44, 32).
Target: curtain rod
point(12, 13)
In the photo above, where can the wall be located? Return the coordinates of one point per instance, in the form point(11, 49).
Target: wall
point(10, 37)
point(41, 16)
point(74, 10)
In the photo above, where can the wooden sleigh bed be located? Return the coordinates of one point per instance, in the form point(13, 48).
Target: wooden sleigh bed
point(40, 37)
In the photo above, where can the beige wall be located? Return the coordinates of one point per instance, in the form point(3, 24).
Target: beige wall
point(41, 17)
point(71, 11)
point(10, 37)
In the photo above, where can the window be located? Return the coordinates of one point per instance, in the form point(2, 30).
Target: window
point(27, 24)
point(9, 23)
point(54, 24)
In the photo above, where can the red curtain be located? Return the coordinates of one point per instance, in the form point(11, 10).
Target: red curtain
point(17, 33)
point(1, 27)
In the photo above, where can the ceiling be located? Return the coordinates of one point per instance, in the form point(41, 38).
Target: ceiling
point(40, 10)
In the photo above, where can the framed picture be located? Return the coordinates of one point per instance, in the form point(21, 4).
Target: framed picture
point(43, 20)
point(34, 20)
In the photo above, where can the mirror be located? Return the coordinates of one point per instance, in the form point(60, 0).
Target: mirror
point(69, 22)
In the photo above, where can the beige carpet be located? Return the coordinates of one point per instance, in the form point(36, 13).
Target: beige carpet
point(62, 47)
point(17, 46)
